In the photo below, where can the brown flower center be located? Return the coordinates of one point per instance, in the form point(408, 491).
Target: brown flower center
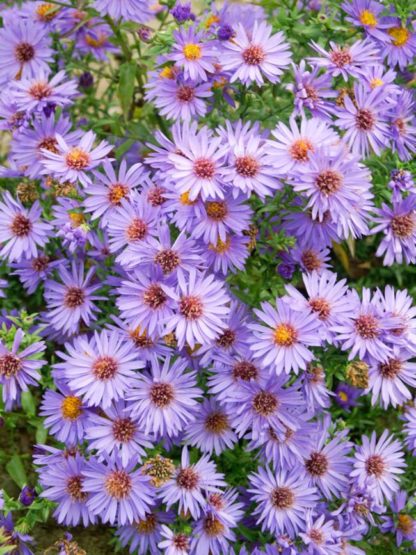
point(216, 422)
point(118, 484)
point(162, 394)
point(329, 182)
point(227, 339)
point(10, 365)
point(74, 297)
point(317, 464)
point(185, 93)
point(321, 307)
point(21, 226)
point(156, 196)
point(191, 307)
point(40, 263)
point(105, 368)
point(253, 55)
point(181, 542)
point(216, 500)
point(282, 497)
point(77, 159)
point(341, 57)
point(366, 326)
point(216, 210)
point(285, 335)
point(364, 120)
point(390, 369)
point(74, 489)
point(24, 52)
point(405, 523)
point(187, 478)
point(245, 370)
point(300, 149)
point(316, 536)
point(168, 260)
point(310, 260)
point(147, 525)
point(247, 166)
point(204, 168)
point(375, 466)
point(403, 225)
point(154, 296)
point(40, 90)
point(71, 408)
point(136, 230)
point(117, 192)
point(140, 338)
point(123, 429)
point(213, 526)
point(265, 403)
point(49, 143)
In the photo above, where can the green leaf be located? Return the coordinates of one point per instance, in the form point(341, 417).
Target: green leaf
point(28, 403)
point(41, 434)
point(16, 471)
point(126, 86)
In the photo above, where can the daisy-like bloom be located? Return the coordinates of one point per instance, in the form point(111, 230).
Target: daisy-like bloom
point(65, 415)
point(11, 537)
point(399, 303)
point(72, 162)
point(380, 462)
point(311, 91)
point(404, 526)
point(377, 76)
point(174, 543)
point(197, 163)
point(144, 302)
point(283, 337)
point(63, 483)
point(99, 369)
point(365, 121)
point(320, 536)
point(255, 55)
point(327, 299)
point(211, 430)
point(327, 464)
point(366, 14)
point(347, 61)
point(201, 306)
point(368, 330)
point(292, 145)
point(189, 483)
point(346, 395)
point(71, 302)
point(310, 232)
point(34, 94)
point(117, 493)
point(403, 125)
point(247, 169)
point(109, 189)
point(282, 500)
point(138, 11)
point(22, 230)
point(12, 118)
point(314, 389)
point(388, 380)
point(164, 255)
point(34, 271)
point(228, 256)
point(164, 400)
point(93, 38)
point(25, 49)
point(116, 433)
point(130, 223)
point(258, 407)
point(26, 147)
point(176, 97)
point(193, 54)
point(143, 536)
point(217, 218)
point(399, 47)
point(19, 369)
point(398, 224)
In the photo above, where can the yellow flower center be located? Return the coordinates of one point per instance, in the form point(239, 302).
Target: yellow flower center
point(167, 73)
point(221, 246)
point(211, 20)
point(343, 396)
point(192, 52)
point(185, 200)
point(376, 83)
point(76, 218)
point(95, 42)
point(368, 18)
point(71, 408)
point(219, 83)
point(47, 12)
point(400, 35)
point(285, 335)
point(405, 523)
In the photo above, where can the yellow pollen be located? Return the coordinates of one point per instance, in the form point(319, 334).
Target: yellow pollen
point(185, 200)
point(76, 218)
point(376, 83)
point(71, 408)
point(400, 35)
point(343, 396)
point(284, 335)
point(95, 42)
point(192, 52)
point(167, 73)
point(77, 159)
point(221, 246)
point(46, 12)
point(405, 523)
point(368, 18)
point(219, 83)
point(211, 20)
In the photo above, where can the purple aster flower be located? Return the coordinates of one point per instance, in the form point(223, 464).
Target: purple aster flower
point(247, 168)
point(174, 543)
point(283, 337)
point(282, 500)
point(118, 494)
point(189, 483)
point(403, 125)
point(366, 14)
point(376, 76)
point(197, 163)
point(12, 118)
point(63, 483)
point(26, 147)
point(34, 271)
point(176, 97)
point(18, 541)
point(192, 53)
point(71, 163)
point(401, 181)
point(399, 45)
point(143, 536)
point(398, 224)
point(34, 94)
point(229, 256)
point(380, 462)
point(292, 146)
point(22, 230)
point(346, 395)
point(65, 415)
point(164, 400)
point(182, 12)
point(25, 49)
point(93, 38)
point(210, 431)
point(347, 61)
point(399, 303)
point(19, 369)
point(130, 10)
point(259, 407)
point(71, 302)
point(310, 232)
point(254, 55)
point(314, 389)
point(201, 306)
point(367, 331)
point(116, 433)
point(321, 536)
point(144, 302)
point(388, 380)
point(108, 190)
point(365, 121)
point(327, 464)
point(311, 91)
point(357, 511)
point(402, 524)
point(27, 496)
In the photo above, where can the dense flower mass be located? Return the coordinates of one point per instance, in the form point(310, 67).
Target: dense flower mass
point(207, 240)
